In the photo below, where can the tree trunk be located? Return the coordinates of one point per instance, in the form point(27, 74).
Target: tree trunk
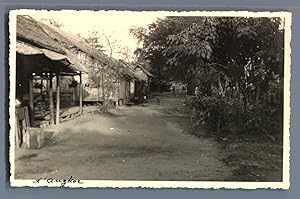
point(190, 86)
point(159, 85)
point(222, 91)
point(102, 83)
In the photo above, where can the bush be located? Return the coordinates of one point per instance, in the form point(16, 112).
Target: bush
point(212, 111)
point(264, 118)
point(107, 104)
point(222, 114)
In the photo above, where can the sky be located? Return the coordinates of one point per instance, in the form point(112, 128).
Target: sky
point(114, 24)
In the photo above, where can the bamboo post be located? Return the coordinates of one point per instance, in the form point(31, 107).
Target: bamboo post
point(57, 99)
point(51, 107)
point(148, 88)
point(98, 94)
point(41, 86)
point(31, 105)
point(80, 93)
point(47, 86)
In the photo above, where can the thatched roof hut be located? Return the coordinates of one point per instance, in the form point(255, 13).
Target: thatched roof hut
point(128, 70)
point(34, 38)
point(69, 41)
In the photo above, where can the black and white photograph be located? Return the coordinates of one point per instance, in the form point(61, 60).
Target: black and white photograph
point(153, 99)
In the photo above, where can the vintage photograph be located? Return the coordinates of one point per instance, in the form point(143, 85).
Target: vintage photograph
point(154, 99)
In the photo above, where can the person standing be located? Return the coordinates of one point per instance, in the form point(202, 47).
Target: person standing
point(173, 89)
point(197, 91)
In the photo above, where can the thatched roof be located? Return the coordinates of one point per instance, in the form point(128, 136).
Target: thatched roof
point(144, 70)
point(40, 60)
point(37, 35)
point(73, 41)
point(128, 70)
point(30, 31)
point(54, 39)
point(118, 66)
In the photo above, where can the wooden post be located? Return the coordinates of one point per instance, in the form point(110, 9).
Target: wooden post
point(51, 100)
point(31, 106)
point(57, 99)
point(41, 86)
point(47, 86)
point(98, 93)
point(18, 133)
point(80, 93)
point(148, 89)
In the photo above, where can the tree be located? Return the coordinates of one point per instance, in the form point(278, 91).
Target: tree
point(237, 63)
point(53, 22)
point(153, 41)
point(93, 40)
point(157, 47)
point(104, 76)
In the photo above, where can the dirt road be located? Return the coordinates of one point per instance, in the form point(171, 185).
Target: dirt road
point(129, 143)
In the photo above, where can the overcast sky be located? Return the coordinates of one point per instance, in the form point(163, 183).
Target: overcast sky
point(114, 23)
point(118, 23)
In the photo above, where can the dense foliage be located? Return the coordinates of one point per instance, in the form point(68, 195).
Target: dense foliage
point(236, 63)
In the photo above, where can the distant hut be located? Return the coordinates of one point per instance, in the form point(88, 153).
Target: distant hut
point(129, 81)
point(143, 87)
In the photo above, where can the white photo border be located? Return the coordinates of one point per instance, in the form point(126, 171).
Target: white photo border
point(285, 184)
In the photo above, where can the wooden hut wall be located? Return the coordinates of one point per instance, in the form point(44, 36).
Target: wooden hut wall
point(140, 91)
point(127, 92)
point(122, 88)
point(22, 87)
point(94, 91)
point(132, 88)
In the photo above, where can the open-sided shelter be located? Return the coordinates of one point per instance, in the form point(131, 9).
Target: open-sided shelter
point(40, 58)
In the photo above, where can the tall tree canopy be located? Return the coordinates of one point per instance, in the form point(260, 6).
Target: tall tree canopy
point(232, 57)
point(177, 47)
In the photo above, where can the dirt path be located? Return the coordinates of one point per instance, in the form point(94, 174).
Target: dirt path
point(130, 143)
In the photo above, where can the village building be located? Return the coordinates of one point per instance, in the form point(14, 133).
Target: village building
point(108, 79)
point(133, 84)
point(143, 87)
point(54, 67)
point(41, 63)
point(117, 82)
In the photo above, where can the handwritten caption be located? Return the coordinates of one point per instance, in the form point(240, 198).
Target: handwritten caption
point(61, 181)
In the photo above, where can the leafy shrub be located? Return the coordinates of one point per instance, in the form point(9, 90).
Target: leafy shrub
point(223, 114)
point(264, 118)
